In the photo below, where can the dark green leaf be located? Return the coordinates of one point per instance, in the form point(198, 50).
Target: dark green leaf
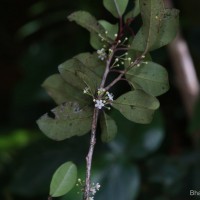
point(92, 62)
point(137, 106)
point(95, 41)
point(169, 28)
point(116, 7)
point(65, 121)
point(87, 21)
point(61, 91)
point(68, 71)
point(152, 12)
point(111, 28)
point(89, 81)
point(71, 70)
point(108, 128)
point(63, 179)
point(151, 77)
point(159, 26)
point(134, 12)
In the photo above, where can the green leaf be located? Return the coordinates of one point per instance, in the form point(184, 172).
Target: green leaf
point(87, 21)
point(159, 28)
point(134, 12)
point(61, 91)
point(169, 28)
point(89, 81)
point(95, 41)
point(137, 106)
point(152, 12)
point(151, 77)
point(71, 70)
point(116, 7)
point(65, 121)
point(108, 128)
point(111, 28)
point(92, 62)
point(68, 71)
point(63, 179)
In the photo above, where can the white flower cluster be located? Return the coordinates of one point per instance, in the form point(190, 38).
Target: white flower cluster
point(102, 54)
point(93, 189)
point(106, 98)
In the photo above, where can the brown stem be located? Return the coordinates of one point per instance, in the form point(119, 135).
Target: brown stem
point(108, 62)
point(137, 61)
point(90, 154)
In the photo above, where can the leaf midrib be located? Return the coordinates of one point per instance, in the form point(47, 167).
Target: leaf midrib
point(63, 180)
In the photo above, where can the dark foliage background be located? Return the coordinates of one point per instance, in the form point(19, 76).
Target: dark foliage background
point(159, 161)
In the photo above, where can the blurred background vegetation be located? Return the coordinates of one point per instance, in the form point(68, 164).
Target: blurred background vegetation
point(160, 161)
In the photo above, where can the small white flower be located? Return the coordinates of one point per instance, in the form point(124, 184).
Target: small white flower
point(102, 54)
point(98, 186)
point(91, 198)
point(93, 190)
point(110, 96)
point(99, 104)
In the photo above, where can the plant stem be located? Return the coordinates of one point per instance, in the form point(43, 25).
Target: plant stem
point(137, 61)
point(90, 155)
point(108, 62)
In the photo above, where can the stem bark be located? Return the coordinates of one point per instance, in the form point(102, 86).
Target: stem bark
point(90, 154)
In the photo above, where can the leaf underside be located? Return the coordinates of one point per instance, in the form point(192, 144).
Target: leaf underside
point(108, 128)
point(151, 77)
point(65, 121)
point(137, 106)
point(159, 28)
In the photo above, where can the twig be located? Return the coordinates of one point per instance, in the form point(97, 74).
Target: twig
point(90, 154)
point(137, 61)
